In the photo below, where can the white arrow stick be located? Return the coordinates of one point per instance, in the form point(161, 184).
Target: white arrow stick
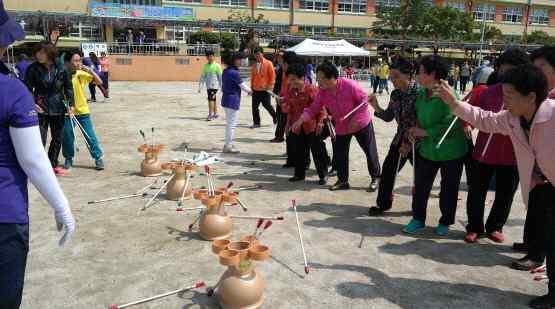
point(489, 138)
point(413, 165)
point(196, 286)
point(157, 193)
point(306, 269)
point(354, 110)
point(447, 132)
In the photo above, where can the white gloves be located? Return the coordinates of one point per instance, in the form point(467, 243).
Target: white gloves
point(66, 222)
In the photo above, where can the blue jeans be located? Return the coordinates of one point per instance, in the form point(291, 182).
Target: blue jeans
point(68, 146)
point(384, 85)
point(14, 245)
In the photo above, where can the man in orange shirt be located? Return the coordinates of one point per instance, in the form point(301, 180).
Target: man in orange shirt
point(263, 78)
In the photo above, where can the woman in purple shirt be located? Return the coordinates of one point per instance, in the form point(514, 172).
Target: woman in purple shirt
point(341, 96)
point(21, 156)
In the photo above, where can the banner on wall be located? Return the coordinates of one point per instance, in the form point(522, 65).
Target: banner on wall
point(96, 48)
point(101, 9)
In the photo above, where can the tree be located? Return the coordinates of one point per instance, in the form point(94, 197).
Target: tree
point(416, 19)
point(540, 37)
point(445, 23)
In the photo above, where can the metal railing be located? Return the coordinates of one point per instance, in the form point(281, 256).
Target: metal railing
point(162, 49)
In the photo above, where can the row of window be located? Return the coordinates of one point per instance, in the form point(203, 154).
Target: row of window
point(513, 14)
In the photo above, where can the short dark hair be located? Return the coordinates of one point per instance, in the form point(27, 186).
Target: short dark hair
point(297, 69)
point(513, 56)
point(69, 54)
point(545, 52)
point(291, 57)
point(402, 65)
point(209, 52)
point(258, 50)
point(48, 47)
point(328, 70)
point(232, 57)
point(435, 64)
point(526, 78)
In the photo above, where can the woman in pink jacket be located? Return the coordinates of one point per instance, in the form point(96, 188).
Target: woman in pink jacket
point(529, 121)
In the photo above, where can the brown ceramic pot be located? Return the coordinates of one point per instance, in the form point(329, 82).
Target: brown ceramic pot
point(175, 187)
point(219, 245)
point(259, 252)
point(229, 257)
point(200, 194)
point(215, 224)
point(241, 291)
point(242, 247)
point(151, 166)
point(251, 239)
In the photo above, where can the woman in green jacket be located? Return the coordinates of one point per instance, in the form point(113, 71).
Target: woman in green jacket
point(433, 121)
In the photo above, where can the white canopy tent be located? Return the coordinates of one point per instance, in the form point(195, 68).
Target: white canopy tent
point(310, 47)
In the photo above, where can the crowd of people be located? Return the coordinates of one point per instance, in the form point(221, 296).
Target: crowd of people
point(511, 105)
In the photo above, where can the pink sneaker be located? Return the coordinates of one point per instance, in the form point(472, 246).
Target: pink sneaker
point(58, 171)
point(496, 236)
point(471, 237)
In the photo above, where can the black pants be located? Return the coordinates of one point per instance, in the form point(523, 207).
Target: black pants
point(92, 90)
point(14, 245)
point(367, 141)
point(56, 125)
point(506, 183)
point(543, 198)
point(281, 123)
point(385, 192)
point(304, 144)
point(105, 80)
point(540, 205)
point(469, 162)
point(426, 171)
point(464, 81)
point(264, 98)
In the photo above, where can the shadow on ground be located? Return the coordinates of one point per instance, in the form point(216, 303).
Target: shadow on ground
point(417, 293)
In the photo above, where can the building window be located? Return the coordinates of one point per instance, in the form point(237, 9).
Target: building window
point(230, 2)
point(512, 14)
point(387, 4)
point(353, 32)
point(138, 2)
point(488, 11)
point(314, 5)
point(84, 31)
point(179, 33)
point(539, 16)
point(273, 4)
point(189, 1)
point(315, 30)
point(459, 5)
point(352, 6)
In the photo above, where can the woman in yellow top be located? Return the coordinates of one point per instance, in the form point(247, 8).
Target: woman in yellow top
point(81, 76)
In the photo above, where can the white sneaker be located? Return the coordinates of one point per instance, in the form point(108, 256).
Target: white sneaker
point(231, 149)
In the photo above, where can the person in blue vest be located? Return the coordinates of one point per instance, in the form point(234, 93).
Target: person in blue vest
point(22, 157)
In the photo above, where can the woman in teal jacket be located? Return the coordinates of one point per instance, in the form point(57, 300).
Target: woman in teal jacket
point(433, 119)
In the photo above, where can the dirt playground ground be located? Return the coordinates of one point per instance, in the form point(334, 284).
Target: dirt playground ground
point(120, 254)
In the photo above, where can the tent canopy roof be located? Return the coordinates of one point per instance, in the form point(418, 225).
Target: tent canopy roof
point(310, 47)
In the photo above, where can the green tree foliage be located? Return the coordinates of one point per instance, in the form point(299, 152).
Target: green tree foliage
point(204, 37)
point(242, 16)
point(540, 37)
point(417, 19)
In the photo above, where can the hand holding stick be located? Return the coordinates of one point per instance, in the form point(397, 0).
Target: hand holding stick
point(306, 268)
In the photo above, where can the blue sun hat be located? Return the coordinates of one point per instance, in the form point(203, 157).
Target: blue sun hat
point(10, 30)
